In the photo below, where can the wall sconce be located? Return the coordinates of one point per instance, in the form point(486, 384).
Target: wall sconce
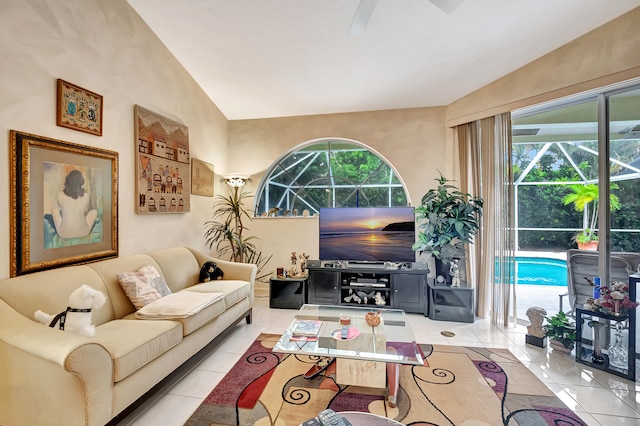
point(236, 180)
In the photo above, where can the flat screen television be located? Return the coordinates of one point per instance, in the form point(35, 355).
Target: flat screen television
point(367, 234)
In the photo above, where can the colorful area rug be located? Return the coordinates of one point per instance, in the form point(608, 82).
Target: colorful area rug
point(456, 386)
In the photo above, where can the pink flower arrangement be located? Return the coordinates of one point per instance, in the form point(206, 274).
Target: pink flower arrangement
point(615, 298)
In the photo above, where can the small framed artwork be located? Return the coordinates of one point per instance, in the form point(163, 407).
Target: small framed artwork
point(78, 108)
point(201, 178)
point(162, 164)
point(64, 199)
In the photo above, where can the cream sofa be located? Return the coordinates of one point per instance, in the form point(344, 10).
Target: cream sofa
point(52, 377)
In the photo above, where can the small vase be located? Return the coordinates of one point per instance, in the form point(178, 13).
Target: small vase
point(372, 318)
point(618, 355)
point(597, 357)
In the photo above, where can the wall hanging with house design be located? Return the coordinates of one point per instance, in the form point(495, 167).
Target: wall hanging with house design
point(162, 164)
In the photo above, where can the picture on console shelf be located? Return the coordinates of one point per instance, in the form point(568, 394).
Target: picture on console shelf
point(367, 234)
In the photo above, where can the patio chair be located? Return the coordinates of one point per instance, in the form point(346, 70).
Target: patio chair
point(582, 266)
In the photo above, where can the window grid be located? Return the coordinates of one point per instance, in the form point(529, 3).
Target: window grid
point(329, 173)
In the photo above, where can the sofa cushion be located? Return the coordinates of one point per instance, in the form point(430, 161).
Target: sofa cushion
point(132, 343)
point(143, 286)
point(179, 267)
point(234, 290)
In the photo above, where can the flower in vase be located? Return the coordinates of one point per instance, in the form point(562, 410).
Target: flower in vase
point(606, 303)
point(620, 286)
point(615, 297)
point(628, 303)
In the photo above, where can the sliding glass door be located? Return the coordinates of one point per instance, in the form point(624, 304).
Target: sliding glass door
point(624, 170)
point(570, 158)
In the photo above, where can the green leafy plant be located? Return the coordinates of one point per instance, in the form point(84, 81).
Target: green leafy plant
point(585, 236)
point(226, 230)
point(446, 220)
point(559, 327)
point(581, 197)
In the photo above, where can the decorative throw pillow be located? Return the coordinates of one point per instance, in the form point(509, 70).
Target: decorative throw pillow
point(157, 281)
point(144, 286)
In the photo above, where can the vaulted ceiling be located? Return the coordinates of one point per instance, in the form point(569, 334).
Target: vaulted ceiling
point(273, 58)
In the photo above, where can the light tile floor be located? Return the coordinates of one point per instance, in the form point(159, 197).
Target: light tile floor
point(599, 398)
point(544, 296)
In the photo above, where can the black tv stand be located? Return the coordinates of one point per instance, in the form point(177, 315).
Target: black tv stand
point(368, 286)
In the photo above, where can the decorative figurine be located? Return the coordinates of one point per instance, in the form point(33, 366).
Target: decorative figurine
point(535, 333)
point(454, 272)
point(590, 305)
point(303, 263)
point(293, 271)
point(536, 317)
point(365, 296)
point(379, 299)
point(273, 212)
point(352, 298)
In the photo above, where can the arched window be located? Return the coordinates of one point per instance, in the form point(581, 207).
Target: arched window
point(329, 173)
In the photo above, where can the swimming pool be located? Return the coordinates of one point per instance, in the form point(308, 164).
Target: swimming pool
point(541, 271)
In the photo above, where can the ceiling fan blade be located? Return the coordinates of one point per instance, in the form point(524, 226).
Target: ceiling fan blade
point(362, 16)
point(447, 6)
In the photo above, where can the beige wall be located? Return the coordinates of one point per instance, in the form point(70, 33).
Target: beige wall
point(607, 55)
point(414, 141)
point(104, 47)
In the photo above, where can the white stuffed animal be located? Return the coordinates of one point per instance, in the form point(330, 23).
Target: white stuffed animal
point(77, 317)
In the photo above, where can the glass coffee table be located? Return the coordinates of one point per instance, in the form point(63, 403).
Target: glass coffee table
point(369, 357)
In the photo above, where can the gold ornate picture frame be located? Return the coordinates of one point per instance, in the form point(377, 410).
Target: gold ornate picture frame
point(64, 199)
point(78, 108)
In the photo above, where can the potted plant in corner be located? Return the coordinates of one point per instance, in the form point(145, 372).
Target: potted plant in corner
point(581, 197)
point(446, 220)
point(561, 332)
point(226, 230)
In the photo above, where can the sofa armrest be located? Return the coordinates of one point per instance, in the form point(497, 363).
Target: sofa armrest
point(64, 375)
point(232, 270)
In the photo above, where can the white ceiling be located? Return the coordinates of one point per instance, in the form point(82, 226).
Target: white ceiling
point(274, 58)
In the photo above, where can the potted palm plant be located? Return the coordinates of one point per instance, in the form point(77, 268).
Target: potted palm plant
point(581, 197)
point(561, 332)
point(447, 219)
point(226, 230)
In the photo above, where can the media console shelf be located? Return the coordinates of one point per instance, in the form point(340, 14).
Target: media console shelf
point(365, 288)
point(373, 287)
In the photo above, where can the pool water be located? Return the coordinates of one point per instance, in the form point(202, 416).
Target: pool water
point(541, 271)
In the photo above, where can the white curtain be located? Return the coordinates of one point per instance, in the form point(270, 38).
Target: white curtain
point(485, 169)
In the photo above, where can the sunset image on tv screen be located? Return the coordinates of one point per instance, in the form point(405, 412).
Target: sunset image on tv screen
point(367, 234)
